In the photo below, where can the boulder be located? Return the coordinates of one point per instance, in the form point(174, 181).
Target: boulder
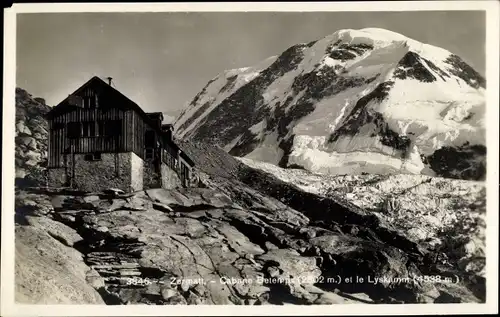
point(40, 100)
point(32, 204)
point(31, 163)
point(21, 128)
point(26, 141)
point(168, 197)
point(20, 173)
point(95, 280)
point(32, 155)
point(48, 272)
point(59, 231)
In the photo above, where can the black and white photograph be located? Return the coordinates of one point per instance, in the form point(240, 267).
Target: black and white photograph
point(280, 158)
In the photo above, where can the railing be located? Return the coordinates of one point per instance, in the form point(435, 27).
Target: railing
point(169, 160)
point(178, 167)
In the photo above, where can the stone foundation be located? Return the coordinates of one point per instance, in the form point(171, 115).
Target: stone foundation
point(133, 174)
point(98, 175)
point(169, 178)
point(122, 171)
point(137, 167)
point(56, 177)
point(151, 179)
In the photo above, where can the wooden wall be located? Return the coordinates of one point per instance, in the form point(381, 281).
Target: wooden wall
point(131, 138)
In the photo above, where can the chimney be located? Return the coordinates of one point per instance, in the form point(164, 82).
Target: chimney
point(110, 79)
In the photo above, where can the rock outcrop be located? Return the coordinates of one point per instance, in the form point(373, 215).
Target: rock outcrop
point(49, 270)
point(31, 139)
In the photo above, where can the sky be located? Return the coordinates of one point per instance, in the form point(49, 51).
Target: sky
point(161, 60)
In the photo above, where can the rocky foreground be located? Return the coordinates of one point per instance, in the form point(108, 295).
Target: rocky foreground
point(240, 237)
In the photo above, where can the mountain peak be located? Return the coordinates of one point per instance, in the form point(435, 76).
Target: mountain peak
point(368, 100)
point(370, 34)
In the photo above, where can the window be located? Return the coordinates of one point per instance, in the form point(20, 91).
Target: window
point(149, 155)
point(92, 157)
point(100, 128)
point(89, 99)
point(184, 174)
point(113, 128)
point(168, 159)
point(109, 128)
point(90, 102)
point(149, 139)
point(74, 130)
point(57, 126)
point(89, 129)
point(85, 129)
point(75, 100)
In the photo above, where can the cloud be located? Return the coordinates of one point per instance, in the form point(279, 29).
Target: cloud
point(168, 118)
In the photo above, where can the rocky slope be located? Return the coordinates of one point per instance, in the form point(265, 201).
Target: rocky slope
point(227, 243)
point(355, 101)
point(31, 139)
point(445, 217)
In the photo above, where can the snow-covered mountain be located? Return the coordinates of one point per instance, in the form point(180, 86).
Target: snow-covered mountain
point(356, 101)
